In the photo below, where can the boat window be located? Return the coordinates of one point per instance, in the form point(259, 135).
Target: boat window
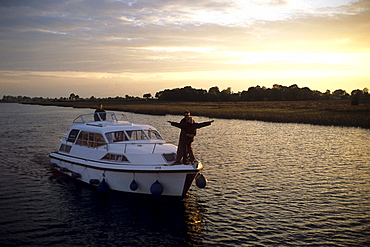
point(82, 139)
point(90, 139)
point(135, 135)
point(117, 136)
point(114, 157)
point(153, 134)
point(170, 157)
point(72, 135)
point(65, 148)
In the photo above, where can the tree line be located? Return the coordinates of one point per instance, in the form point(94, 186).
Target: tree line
point(257, 93)
point(214, 94)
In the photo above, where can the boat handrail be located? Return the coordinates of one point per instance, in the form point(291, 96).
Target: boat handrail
point(138, 143)
point(107, 145)
point(100, 116)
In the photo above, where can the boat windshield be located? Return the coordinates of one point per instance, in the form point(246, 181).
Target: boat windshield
point(153, 134)
point(133, 135)
point(136, 135)
point(106, 116)
point(117, 136)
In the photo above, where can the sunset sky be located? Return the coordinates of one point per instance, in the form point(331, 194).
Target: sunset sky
point(108, 48)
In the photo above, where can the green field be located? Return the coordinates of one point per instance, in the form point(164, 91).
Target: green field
point(330, 112)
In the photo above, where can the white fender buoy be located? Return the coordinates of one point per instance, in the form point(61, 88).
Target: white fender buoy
point(103, 187)
point(201, 181)
point(134, 186)
point(156, 189)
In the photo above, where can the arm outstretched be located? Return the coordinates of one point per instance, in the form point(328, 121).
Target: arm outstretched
point(204, 124)
point(178, 125)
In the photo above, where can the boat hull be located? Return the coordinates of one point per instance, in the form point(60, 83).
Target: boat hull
point(175, 180)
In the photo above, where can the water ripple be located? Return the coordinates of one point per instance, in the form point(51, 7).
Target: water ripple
point(270, 184)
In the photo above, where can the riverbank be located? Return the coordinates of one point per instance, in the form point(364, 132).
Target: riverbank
point(330, 112)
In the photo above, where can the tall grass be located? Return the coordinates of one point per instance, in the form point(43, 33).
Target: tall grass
point(337, 113)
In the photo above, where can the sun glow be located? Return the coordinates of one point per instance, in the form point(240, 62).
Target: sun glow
point(295, 57)
point(205, 49)
point(165, 44)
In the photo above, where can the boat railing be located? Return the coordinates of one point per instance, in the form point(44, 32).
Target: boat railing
point(100, 116)
point(116, 146)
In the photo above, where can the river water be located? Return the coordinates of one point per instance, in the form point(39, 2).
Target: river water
point(270, 184)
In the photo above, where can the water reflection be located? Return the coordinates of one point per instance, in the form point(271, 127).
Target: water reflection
point(269, 184)
point(130, 219)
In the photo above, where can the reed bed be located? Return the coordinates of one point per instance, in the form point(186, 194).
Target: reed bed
point(331, 112)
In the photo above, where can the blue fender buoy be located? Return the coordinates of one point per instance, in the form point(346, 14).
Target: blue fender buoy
point(156, 189)
point(134, 186)
point(94, 181)
point(75, 175)
point(201, 181)
point(103, 187)
point(63, 169)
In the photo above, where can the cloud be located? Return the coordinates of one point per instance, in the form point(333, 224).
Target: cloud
point(149, 37)
point(340, 33)
point(273, 3)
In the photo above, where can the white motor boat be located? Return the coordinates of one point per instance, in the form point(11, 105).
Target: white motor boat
point(119, 155)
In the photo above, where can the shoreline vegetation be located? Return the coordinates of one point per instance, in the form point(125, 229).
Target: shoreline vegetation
point(320, 112)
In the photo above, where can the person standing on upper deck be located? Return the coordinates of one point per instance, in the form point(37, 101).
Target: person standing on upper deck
point(100, 114)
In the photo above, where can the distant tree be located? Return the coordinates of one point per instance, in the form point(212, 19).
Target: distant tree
point(226, 95)
point(72, 96)
point(292, 92)
point(213, 94)
point(214, 90)
point(256, 93)
point(147, 95)
point(317, 95)
point(305, 94)
point(340, 93)
point(227, 91)
point(275, 94)
point(244, 95)
point(356, 97)
point(182, 94)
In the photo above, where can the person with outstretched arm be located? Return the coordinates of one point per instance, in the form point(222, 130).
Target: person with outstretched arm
point(188, 128)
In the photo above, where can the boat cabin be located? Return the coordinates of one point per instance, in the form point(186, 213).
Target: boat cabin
point(117, 139)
